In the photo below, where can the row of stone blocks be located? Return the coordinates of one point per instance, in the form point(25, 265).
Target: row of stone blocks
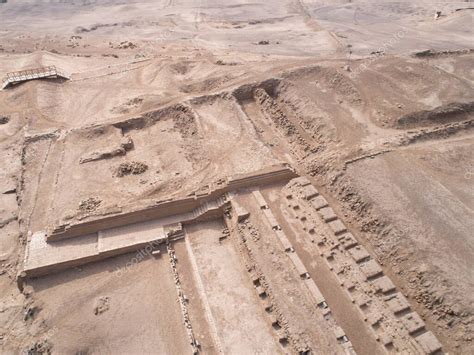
point(265, 293)
point(237, 214)
point(299, 266)
point(395, 301)
point(182, 300)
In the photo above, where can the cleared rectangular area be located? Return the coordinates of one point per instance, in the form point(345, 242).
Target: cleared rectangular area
point(237, 311)
point(141, 317)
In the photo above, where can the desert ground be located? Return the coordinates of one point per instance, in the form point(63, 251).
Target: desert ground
point(236, 177)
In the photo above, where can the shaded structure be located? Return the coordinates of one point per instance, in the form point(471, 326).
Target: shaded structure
point(50, 72)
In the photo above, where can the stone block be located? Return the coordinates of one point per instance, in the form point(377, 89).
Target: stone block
point(363, 303)
point(327, 214)
point(284, 240)
point(362, 300)
point(274, 321)
point(359, 253)
point(241, 212)
point(314, 290)
point(267, 305)
point(337, 227)
point(374, 318)
point(413, 322)
point(349, 285)
point(271, 219)
point(298, 265)
point(326, 312)
point(386, 340)
point(398, 303)
point(339, 332)
point(428, 343)
point(282, 338)
point(309, 192)
point(260, 199)
point(261, 291)
point(319, 202)
point(302, 181)
point(371, 269)
point(347, 240)
point(384, 284)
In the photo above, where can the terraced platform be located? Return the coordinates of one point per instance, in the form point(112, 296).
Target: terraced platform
point(270, 217)
point(101, 238)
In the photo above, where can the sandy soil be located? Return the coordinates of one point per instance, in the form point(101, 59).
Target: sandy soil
point(373, 101)
point(230, 294)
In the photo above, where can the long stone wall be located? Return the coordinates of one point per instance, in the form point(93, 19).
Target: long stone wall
point(168, 208)
point(115, 235)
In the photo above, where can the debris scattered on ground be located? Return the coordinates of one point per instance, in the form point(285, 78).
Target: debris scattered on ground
point(89, 205)
point(126, 45)
point(101, 305)
point(221, 62)
point(42, 347)
point(131, 168)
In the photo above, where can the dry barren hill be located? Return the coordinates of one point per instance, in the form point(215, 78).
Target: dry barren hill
point(248, 177)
